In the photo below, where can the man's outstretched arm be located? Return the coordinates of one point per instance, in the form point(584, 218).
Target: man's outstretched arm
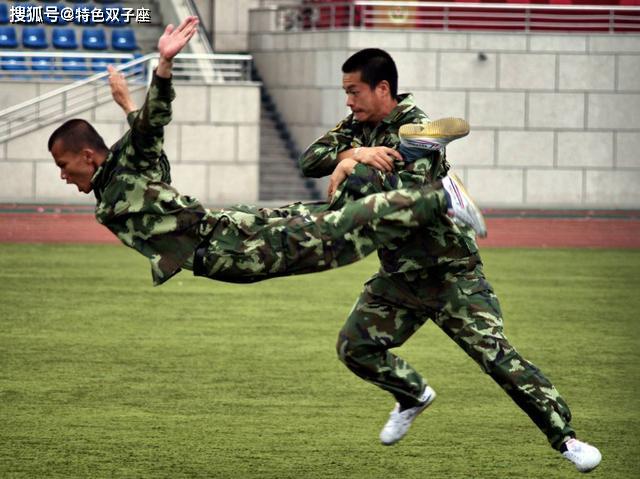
point(121, 95)
point(172, 41)
point(147, 132)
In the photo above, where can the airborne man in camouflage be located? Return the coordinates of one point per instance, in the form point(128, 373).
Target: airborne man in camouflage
point(131, 182)
point(437, 276)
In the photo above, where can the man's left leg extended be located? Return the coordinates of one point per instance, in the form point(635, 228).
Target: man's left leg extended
point(243, 250)
point(472, 317)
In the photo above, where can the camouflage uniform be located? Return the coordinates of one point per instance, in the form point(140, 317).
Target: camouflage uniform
point(437, 276)
point(240, 244)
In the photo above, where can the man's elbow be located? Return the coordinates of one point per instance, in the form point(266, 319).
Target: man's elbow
point(306, 167)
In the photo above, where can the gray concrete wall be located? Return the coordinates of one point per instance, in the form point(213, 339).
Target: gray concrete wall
point(555, 118)
point(212, 144)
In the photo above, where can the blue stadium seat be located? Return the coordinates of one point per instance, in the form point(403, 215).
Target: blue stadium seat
point(138, 68)
point(94, 39)
point(74, 64)
point(100, 64)
point(124, 40)
point(42, 64)
point(4, 13)
point(64, 39)
point(71, 64)
point(34, 37)
point(8, 37)
point(54, 18)
point(13, 63)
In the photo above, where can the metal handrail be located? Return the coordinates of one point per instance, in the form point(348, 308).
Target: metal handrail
point(207, 71)
point(365, 14)
point(205, 35)
point(89, 92)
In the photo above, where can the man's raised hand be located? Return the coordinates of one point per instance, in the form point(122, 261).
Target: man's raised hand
point(172, 42)
point(120, 90)
point(175, 38)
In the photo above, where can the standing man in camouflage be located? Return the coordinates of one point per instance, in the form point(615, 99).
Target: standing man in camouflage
point(437, 276)
point(135, 201)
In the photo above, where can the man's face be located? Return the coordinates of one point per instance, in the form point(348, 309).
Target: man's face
point(366, 104)
point(75, 168)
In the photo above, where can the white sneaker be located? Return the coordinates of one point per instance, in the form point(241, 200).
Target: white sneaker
point(585, 457)
point(400, 421)
point(462, 209)
point(433, 135)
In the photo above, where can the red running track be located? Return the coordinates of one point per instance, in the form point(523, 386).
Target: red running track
point(550, 229)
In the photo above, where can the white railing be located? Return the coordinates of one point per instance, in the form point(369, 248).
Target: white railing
point(456, 16)
point(91, 91)
point(53, 66)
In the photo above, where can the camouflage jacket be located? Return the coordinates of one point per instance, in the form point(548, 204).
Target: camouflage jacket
point(134, 197)
point(411, 257)
point(434, 245)
point(321, 157)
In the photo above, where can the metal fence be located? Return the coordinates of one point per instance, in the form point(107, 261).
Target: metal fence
point(457, 16)
point(55, 66)
point(93, 90)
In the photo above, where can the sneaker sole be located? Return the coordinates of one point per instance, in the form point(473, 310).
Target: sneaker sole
point(483, 224)
point(440, 131)
point(427, 403)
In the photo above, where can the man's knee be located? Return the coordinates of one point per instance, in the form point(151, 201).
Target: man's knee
point(351, 353)
point(343, 347)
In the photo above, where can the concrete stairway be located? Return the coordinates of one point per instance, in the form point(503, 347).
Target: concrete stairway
point(280, 176)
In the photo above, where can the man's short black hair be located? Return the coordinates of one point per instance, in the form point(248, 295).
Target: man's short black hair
point(77, 134)
point(374, 65)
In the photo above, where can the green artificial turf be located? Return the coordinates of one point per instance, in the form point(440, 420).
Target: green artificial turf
point(102, 375)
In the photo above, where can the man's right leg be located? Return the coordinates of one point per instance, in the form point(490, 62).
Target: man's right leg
point(375, 325)
point(243, 249)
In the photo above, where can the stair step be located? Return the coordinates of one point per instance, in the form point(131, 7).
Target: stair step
point(280, 175)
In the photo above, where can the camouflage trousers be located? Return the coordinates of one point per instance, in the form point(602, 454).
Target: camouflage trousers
point(249, 245)
point(462, 303)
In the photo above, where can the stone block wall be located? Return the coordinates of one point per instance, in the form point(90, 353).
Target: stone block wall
point(555, 118)
point(212, 144)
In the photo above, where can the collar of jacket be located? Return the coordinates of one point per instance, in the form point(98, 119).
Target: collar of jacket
point(405, 105)
point(100, 177)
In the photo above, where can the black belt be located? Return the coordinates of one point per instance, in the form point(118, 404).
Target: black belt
point(201, 249)
point(198, 259)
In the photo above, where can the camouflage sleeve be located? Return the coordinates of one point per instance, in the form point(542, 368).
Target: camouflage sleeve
point(364, 181)
point(321, 157)
point(163, 161)
point(131, 117)
point(147, 131)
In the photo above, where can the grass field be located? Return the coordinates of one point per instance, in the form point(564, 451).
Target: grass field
point(102, 375)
